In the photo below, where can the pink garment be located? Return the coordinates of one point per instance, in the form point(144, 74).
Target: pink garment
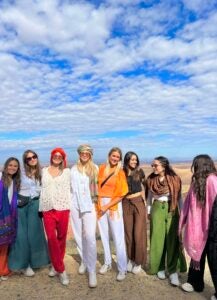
point(195, 219)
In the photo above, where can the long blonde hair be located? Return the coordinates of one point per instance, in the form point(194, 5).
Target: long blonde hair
point(119, 165)
point(89, 168)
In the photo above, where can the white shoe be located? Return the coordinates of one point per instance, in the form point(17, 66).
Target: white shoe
point(92, 280)
point(213, 297)
point(64, 278)
point(187, 287)
point(174, 279)
point(3, 278)
point(130, 266)
point(136, 269)
point(104, 269)
point(52, 272)
point(29, 272)
point(161, 275)
point(121, 276)
point(82, 269)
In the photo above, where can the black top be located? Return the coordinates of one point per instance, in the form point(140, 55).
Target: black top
point(135, 186)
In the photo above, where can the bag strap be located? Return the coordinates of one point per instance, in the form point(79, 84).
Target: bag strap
point(107, 178)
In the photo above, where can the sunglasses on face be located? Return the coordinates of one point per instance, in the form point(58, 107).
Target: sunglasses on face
point(56, 156)
point(28, 159)
point(155, 165)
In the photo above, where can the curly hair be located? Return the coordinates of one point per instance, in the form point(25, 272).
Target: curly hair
point(202, 166)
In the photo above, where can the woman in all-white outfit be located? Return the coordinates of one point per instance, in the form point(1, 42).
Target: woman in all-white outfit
point(84, 193)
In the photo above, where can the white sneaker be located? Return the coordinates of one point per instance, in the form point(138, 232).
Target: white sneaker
point(187, 287)
point(174, 279)
point(121, 276)
point(161, 275)
point(82, 269)
point(29, 272)
point(3, 278)
point(52, 272)
point(64, 278)
point(136, 269)
point(92, 280)
point(130, 266)
point(213, 297)
point(104, 269)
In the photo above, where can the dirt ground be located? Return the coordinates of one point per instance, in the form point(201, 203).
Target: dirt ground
point(135, 287)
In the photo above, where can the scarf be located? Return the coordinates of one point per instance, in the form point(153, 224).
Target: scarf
point(8, 215)
point(94, 187)
point(195, 219)
point(171, 185)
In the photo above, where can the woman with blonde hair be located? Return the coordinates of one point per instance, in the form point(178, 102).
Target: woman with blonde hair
point(84, 194)
point(9, 187)
point(112, 188)
point(30, 248)
point(55, 206)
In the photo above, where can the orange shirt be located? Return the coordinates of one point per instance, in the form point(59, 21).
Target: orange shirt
point(115, 186)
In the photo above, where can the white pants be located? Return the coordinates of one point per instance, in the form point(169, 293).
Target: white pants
point(116, 224)
point(84, 229)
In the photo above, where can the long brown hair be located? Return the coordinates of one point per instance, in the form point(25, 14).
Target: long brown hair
point(202, 167)
point(6, 179)
point(27, 167)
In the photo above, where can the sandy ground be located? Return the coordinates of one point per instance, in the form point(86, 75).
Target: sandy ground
point(141, 286)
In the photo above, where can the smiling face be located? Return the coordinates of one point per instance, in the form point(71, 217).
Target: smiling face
point(133, 162)
point(12, 167)
point(57, 158)
point(84, 156)
point(114, 158)
point(158, 169)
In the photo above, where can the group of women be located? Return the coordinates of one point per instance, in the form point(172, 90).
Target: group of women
point(36, 206)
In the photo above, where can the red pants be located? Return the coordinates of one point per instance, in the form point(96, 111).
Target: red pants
point(4, 260)
point(56, 226)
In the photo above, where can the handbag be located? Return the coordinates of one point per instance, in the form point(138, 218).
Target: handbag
point(22, 200)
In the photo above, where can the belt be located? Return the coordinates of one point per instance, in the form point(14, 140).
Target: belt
point(161, 201)
point(133, 195)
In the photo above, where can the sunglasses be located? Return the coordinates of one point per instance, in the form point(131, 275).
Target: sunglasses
point(154, 165)
point(28, 159)
point(84, 154)
point(56, 156)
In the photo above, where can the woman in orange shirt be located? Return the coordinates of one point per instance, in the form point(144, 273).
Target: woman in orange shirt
point(112, 188)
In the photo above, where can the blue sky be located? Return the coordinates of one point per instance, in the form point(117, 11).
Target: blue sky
point(141, 75)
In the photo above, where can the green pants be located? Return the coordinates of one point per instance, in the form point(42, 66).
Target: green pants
point(164, 245)
point(30, 246)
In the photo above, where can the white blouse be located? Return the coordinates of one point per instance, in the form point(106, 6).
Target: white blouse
point(80, 185)
point(55, 192)
point(29, 187)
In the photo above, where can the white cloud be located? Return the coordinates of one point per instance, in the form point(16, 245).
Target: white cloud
point(92, 96)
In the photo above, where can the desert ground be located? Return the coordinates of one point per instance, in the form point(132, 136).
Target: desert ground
point(136, 287)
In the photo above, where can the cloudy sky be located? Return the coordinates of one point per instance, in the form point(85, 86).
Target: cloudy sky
point(141, 75)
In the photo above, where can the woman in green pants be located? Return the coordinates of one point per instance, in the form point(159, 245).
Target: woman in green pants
point(164, 197)
point(29, 250)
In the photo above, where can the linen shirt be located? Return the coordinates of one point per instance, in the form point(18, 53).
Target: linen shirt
point(29, 187)
point(55, 192)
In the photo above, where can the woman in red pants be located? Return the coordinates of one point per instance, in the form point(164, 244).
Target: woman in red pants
point(55, 205)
